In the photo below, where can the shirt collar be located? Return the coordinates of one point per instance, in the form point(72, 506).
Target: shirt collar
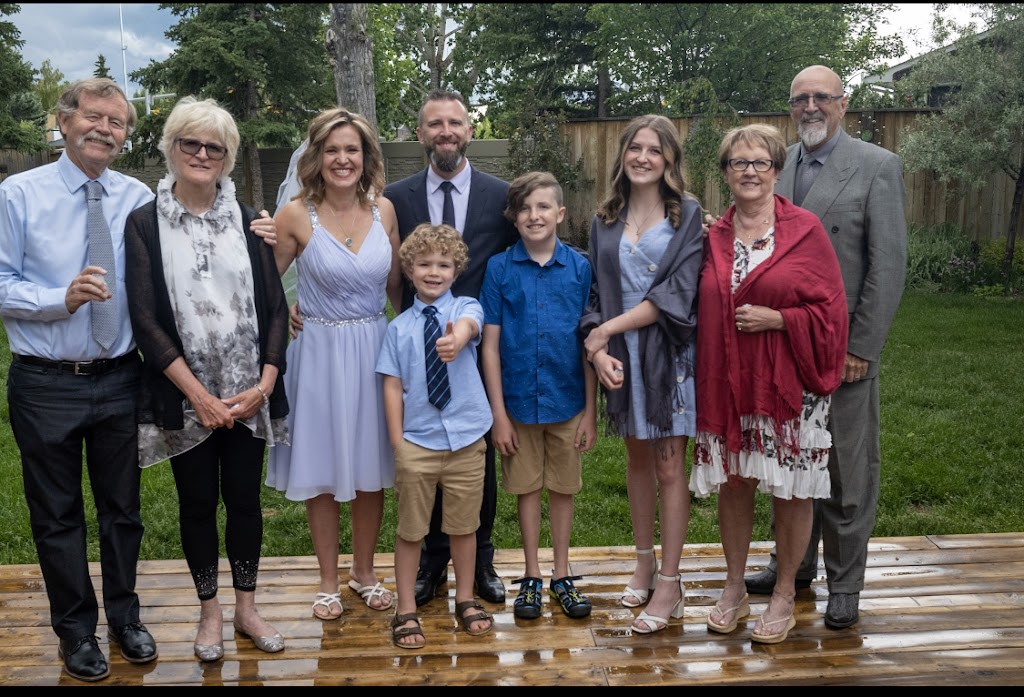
point(75, 178)
point(441, 303)
point(460, 180)
point(559, 256)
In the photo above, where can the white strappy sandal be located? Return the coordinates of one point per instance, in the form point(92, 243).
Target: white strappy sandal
point(650, 623)
point(324, 600)
point(634, 597)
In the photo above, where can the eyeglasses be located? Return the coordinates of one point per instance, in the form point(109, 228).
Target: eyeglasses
point(191, 146)
point(821, 99)
point(759, 165)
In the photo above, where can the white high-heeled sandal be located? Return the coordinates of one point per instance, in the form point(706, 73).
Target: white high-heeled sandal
point(650, 622)
point(633, 597)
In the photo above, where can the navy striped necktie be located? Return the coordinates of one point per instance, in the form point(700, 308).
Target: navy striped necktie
point(438, 390)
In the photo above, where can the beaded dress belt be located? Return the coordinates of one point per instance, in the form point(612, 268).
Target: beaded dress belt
point(342, 322)
point(97, 367)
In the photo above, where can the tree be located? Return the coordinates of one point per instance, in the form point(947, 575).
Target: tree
point(101, 67)
point(350, 49)
point(265, 63)
point(49, 86)
point(15, 80)
point(980, 127)
point(540, 54)
point(748, 52)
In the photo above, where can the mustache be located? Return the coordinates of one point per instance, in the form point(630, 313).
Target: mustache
point(99, 137)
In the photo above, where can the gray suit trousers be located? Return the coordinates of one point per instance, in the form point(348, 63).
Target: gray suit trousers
point(844, 522)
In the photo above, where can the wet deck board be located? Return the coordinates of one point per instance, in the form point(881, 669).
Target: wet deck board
point(943, 610)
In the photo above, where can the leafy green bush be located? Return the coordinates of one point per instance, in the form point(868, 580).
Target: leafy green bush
point(933, 251)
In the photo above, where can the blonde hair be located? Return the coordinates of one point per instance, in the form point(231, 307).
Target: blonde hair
point(310, 162)
point(672, 186)
point(191, 115)
point(427, 238)
point(756, 134)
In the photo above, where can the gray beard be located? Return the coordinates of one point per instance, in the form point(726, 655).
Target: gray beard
point(447, 163)
point(812, 134)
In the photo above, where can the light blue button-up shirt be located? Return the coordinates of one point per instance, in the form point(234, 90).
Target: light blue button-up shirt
point(44, 245)
point(460, 196)
point(468, 416)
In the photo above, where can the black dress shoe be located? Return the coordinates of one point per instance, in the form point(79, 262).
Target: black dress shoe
point(763, 583)
point(137, 644)
point(83, 659)
point(488, 584)
point(427, 583)
point(842, 610)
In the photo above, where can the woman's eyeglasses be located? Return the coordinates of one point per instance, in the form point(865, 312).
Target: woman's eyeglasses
point(759, 165)
point(191, 146)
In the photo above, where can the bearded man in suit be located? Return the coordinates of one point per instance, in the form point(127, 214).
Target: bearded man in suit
point(475, 209)
point(857, 191)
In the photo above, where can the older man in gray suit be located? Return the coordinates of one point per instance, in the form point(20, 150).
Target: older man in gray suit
point(856, 189)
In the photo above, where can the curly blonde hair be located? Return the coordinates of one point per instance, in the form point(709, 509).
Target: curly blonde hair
point(427, 238)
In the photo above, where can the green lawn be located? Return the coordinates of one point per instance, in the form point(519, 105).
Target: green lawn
point(952, 438)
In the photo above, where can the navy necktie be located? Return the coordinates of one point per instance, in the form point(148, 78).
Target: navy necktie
point(438, 391)
point(448, 211)
point(101, 253)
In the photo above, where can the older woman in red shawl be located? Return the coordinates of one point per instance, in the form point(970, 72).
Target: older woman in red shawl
point(772, 334)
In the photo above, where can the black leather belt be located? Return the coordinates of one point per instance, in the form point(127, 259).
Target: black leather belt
point(97, 367)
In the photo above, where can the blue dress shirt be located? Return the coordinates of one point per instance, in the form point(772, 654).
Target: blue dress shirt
point(538, 309)
point(44, 245)
point(468, 416)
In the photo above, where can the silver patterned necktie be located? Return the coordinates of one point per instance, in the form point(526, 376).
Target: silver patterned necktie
point(101, 253)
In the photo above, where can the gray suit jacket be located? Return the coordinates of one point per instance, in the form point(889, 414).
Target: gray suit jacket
point(487, 230)
point(859, 197)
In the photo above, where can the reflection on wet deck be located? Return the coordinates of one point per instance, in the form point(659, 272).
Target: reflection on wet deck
point(936, 610)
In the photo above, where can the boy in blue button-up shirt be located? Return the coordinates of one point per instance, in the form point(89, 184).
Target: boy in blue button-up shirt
point(435, 447)
point(541, 388)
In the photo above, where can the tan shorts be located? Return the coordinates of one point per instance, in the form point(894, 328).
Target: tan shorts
point(418, 473)
point(547, 457)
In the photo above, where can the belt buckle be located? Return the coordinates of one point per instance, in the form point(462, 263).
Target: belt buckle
point(79, 367)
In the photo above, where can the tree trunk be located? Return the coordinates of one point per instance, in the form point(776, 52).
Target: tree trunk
point(350, 50)
point(1011, 232)
point(604, 89)
point(251, 154)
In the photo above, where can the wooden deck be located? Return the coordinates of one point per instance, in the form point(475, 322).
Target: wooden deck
point(937, 610)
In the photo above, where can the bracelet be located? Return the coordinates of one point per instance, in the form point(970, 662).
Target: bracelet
point(265, 397)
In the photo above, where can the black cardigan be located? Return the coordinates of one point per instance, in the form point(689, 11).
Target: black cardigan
point(156, 334)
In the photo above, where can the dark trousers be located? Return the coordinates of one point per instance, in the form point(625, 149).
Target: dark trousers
point(228, 464)
point(436, 550)
point(53, 414)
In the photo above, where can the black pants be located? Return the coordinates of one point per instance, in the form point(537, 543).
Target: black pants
point(53, 414)
point(436, 550)
point(228, 464)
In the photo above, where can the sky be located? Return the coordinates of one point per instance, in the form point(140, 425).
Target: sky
point(72, 36)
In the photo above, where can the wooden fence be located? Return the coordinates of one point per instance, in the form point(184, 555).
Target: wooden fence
point(983, 215)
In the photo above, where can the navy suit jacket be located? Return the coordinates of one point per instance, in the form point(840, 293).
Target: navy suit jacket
point(487, 231)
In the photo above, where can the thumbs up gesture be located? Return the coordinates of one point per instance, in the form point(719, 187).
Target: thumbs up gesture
point(449, 345)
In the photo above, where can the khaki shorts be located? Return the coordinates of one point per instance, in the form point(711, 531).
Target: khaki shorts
point(547, 457)
point(418, 473)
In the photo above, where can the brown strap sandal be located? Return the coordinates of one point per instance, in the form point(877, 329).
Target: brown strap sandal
point(466, 621)
point(400, 632)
